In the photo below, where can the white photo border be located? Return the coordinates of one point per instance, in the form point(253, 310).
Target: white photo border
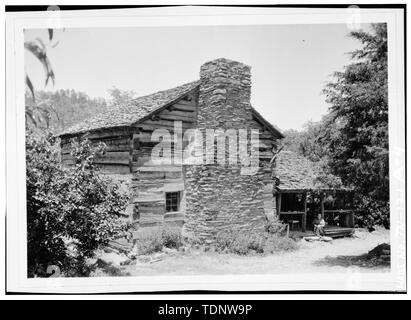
point(16, 261)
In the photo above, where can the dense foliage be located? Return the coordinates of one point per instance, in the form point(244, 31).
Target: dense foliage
point(71, 211)
point(359, 105)
point(351, 141)
point(306, 142)
point(61, 109)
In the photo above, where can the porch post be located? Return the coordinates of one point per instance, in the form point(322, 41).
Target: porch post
point(279, 204)
point(304, 222)
point(322, 204)
point(352, 223)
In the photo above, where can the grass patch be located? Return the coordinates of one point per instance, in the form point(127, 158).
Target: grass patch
point(253, 243)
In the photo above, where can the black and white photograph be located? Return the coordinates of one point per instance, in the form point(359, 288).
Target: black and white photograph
point(205, 148)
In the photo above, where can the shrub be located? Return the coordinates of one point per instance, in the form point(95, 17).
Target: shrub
point(150, 241)
point(171, 237)
point(275, 244)
point(224, 240)
point(275, 226)
point(371, 212)
point(191, 238)
point(71, 211)
point(244, 244)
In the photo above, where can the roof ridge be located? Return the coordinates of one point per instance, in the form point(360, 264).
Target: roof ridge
point(160, 91)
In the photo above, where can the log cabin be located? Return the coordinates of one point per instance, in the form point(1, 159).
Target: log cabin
point(204, 198)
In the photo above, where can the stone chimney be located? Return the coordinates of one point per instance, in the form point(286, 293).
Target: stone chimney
point(224, 97)
point(219, 198)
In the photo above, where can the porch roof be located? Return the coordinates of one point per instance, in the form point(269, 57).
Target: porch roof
point(298, 174)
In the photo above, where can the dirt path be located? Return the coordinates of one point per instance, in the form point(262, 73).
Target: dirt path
point(311, 257)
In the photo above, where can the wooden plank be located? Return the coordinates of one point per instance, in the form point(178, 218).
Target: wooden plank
point(185, 102)
point(149, 199)
point(177, 118)
point(114, 158)
point(172, 187)
point(117, 169)
point(121, 144)
point(149, 125)
point(177, 113)
point(160, 168)
point(151, 175)
point(110, 134)
point(178, 215)
point(151, 208)
point(150, 224)
point(184, 108)
point(144, 220)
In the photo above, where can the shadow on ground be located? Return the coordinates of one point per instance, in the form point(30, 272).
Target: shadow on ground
point(363, 261)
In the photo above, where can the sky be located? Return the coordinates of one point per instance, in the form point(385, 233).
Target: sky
point(290, 64)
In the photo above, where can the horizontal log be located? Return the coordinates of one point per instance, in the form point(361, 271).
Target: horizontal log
point(173, 187)
point(178, 113)
point(150, 224)
point(144, 182)
point(177, 118)
point(117, 169)
point(150, 175)
point(150, 220)
point(69, 160)
point(174, 215)
point(150, 125)
point(179, 223)
point(161, 175)
point(152, 199)
point(160, 169)
point(150, 210)
point(184, 108)
point(110, 134)
point(122, 157)
point(186, 102)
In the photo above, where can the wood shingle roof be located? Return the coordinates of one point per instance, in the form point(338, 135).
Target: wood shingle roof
point(297, 173)
point(140, 108)
point(132, 112)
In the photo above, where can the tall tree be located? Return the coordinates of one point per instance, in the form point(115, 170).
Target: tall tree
point(306, 142)
point(358, 141)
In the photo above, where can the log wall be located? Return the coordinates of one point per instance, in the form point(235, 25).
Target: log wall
point(118, 156)
point(151, 181)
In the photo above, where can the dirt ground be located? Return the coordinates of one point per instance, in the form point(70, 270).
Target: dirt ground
point(311, 257)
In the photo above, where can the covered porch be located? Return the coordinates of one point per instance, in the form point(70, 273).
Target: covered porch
point(304, 190)
point(299, 208)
